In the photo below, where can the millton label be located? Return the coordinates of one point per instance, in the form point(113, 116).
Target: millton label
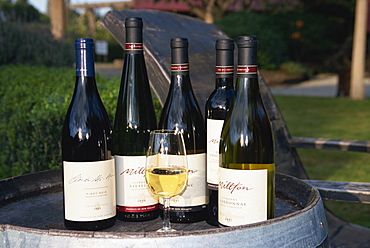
point(133, 194)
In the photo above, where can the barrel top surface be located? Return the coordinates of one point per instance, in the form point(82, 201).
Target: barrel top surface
point(33, 204)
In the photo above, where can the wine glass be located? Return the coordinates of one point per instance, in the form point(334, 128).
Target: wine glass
point(166, 171)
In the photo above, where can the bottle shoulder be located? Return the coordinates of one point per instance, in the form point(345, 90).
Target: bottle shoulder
point(180, 114)
point(86, 115)
point(247, 125)
point(220, 99)
point(135, 109)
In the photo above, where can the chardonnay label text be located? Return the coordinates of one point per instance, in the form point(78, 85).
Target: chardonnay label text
point(242, 196)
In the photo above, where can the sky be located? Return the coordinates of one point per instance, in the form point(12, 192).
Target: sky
point(41, 5)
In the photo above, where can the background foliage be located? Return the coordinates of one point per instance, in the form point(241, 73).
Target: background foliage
point(332, 118)
point(307, 38)
point(20, 11)
point(34, 101)
point(31, 43)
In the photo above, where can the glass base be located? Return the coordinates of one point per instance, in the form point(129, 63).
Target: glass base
point(166, 230)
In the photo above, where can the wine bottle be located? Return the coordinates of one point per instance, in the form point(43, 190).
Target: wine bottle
point(216, 109)
point(247, 158)
point(88, 167)
point(134, 119)
point(181, 112)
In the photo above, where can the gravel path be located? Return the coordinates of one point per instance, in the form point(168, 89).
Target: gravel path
point(324, 85)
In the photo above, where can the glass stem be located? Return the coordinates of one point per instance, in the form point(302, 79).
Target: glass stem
point(166, 215)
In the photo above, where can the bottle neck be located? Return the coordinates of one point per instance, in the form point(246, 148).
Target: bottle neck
point(226, 83)
point(180, 79)
point(85, 73)
point(224, 63)
point(85, 62)
point(247, 74)
point(134, 40)
point(247, 87)
point(247, 82)
point(179, 61)
point(247, 62)
point(224, 76)
point(247, 70)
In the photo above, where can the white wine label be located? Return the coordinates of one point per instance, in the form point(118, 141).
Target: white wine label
point(242, 196)
point(89, 190)
point(133, 194)
point(214, 128)
point(196, 192)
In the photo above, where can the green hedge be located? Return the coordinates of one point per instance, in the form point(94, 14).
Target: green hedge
point(34, 102)
point(33, 44)
point(272, 48)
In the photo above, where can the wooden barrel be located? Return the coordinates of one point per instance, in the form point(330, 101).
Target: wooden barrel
point(31, 215)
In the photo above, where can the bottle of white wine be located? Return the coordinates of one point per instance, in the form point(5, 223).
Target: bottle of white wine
point(181, 112)
point(217, 107)
point(247, 157)
point(135, 118)
point(88, 167)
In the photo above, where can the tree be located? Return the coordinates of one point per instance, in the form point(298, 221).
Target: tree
point(19, 11)
point(210, 10)
point(58, 18)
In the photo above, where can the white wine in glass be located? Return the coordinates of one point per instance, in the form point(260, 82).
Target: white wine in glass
point(166, 168)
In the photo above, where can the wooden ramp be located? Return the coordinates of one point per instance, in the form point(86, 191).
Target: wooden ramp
point(159, 28)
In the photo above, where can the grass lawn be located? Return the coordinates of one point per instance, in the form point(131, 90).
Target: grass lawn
point(335, 118)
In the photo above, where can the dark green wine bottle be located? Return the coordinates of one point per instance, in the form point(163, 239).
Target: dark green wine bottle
point(247, 157)
point(135, 118)
point(217, 107)
point(181, 112)
point(89, 189)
